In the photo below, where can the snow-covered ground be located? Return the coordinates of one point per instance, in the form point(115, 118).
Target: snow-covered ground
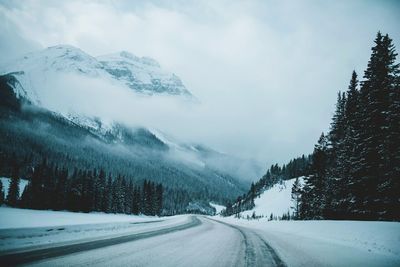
point(320, 243)
point(21, 228)
point(297, 243)
point(16, 218)
point(276, 200)
point(6, 184)
point(329, 243)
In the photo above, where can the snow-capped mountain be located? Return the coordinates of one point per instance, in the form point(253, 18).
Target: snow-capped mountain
point(51, 70)
point(35, 132)
point(36, 117)
point(141, 74)
point(34, 75)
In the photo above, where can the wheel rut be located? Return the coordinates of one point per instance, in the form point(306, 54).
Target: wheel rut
point(257, 251)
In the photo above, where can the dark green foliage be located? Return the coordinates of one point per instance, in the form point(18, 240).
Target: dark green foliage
point(32, 134)
point(361, 179)
point(13, 189)
point(296, 197)
point(314, 194)
point(1, 193)
point(7, 97)
point(354, 171)
point(87, 191)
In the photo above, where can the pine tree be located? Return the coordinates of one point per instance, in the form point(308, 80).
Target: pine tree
point(149, 205)
point(60, 196)
point(348, 152)
point(389, 188)
point(374, 151)
point(13, 189)
point(107, 196)
point(313, 201)
point(121, 195)
point(136, 201)
point(100, 191)
point(128, 197)
point(115, 196)
point(1, 193)
point(335, 160)
point(37, 192)
point(296, 195)
point(26, 197)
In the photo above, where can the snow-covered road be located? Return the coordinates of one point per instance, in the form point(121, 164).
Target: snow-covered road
point(52, 238)
point(199, 241)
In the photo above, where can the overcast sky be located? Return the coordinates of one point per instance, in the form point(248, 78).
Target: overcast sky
point(267, 72)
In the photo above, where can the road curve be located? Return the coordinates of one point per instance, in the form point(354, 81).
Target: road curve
point(210, 243)
point(24, 257)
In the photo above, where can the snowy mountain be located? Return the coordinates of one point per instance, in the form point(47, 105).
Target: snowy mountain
point(141, 74)
point(39, 74)
point(40, 77)
point(31, 130)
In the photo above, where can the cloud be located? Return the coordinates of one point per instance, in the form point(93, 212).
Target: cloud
point(266, 72)
point(12, 44)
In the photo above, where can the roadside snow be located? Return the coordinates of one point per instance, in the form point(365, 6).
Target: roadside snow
point(23, 228)
point(22, 218)
point(329, 243)
point(6, 184)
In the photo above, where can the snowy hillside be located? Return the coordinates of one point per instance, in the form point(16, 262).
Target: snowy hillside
point(276, 200)
point(218, 208)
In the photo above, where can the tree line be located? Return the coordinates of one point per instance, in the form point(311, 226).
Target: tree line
point(52, 187)
point(354, 170)
point(356, 166)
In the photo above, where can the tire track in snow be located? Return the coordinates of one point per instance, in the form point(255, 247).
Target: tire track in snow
point(257, 251)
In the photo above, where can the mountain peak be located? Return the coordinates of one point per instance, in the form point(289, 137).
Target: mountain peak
point(141, 74)
point(127, 57)
point(63, 47)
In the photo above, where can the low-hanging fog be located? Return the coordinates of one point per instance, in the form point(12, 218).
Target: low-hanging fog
point(266, 73)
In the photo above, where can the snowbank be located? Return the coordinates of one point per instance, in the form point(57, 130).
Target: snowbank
point(23, 218)
point(330, 243)
point(23, 228)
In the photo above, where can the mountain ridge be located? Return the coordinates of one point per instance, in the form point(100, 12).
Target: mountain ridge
point(143, 75)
